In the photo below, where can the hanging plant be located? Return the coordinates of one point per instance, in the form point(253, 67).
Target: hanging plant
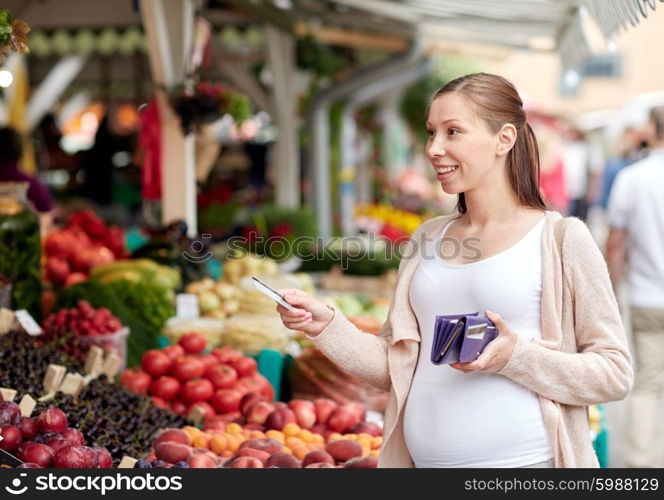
point(13, 35)
point(206, 102)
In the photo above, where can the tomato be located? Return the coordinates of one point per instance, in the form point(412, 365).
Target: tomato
point(159, 403)
point(178, 407)
point(193, 343)
point(221, 376)
point(226, 400)
point(208, 411)
point(208, 360)
point(197, 390)
point(165, 387)
point(187, 368)
point(244, 366)
point(136, 381)
point(226, 354)
point(173, 351)
point(155, 363)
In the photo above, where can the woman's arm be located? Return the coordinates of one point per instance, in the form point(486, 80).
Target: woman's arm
point(601, 371)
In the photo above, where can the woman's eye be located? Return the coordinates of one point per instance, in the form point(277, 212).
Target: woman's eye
point(452, 131)
point(430, 132)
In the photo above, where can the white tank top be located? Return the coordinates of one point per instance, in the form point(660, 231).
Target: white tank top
point(454, 419)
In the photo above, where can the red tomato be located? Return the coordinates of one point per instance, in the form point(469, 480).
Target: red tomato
point(193, 343)
point(208, 411)
point(173, 351)
point(155, 363)
point(178, 407)
point(208, 360)
point(244, 366)
point(226, 400)
point(226, 354)
point(135, 380)
point(197, 390)
point(159, 403)
point(187, 368)
point(221, 376)
point(165, 387)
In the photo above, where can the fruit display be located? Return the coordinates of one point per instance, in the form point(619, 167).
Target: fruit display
point(300, 434)
point(212, 329)
point(84, 243)
point(138, 271)
point(251, 333)
point(110, 416)
point(142, 307)
point(215, 299)
point(181, 377)
point(47, 440)
point(93, 326)
point(388, 221)
point(242, 264)
point(314, 375)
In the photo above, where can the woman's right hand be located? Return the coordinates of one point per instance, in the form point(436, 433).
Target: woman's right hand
point(309, 315)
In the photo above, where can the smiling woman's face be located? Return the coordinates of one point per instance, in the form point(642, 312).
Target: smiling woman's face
point(460, 146)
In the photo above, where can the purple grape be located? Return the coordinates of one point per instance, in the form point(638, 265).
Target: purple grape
point(181, 465)
point(143, 464)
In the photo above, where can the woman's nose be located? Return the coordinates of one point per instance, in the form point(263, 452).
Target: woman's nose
point(436, 147)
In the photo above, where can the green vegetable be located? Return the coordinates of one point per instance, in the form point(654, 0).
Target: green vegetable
point(20, 251)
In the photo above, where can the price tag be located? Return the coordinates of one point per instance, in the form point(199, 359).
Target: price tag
point(186, 306)
point(28, 323)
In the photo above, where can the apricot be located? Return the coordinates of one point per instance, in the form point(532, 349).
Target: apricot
point(234, 428)
point(301, 452)
point(202, 441)
point(278, 435)
point(283, 461)
point(317, 456)
point(344, 449)
point(192, 431)
point(291, 429)
point(218, 443)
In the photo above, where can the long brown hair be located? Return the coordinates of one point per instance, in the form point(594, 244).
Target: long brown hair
point(495, 99)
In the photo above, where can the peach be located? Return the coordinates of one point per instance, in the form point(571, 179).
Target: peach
point(216, 423)
point(317, 456)
point(252, 452)
point(305, 414)
point(342, 419)
point(370, 428)
point(174, 435)
point(324, 408)
point(320, 465)
point(244, 463)
point(259, 412)
point(255, 427)
point(279, 418)
point(318, 429)
point(201, 461)
point(368, 462)
point(283, 461)
point(248, 400)
point(268, 445)
point(172, 452)
point(344, 449)
point(356, 409)
point(280, 405)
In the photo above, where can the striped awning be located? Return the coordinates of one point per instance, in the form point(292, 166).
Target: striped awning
point(527, 24)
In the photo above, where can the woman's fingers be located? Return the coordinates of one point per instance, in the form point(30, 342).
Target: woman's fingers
point(295, 313)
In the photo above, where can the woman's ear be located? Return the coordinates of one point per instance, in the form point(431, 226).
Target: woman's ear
point(506, 139)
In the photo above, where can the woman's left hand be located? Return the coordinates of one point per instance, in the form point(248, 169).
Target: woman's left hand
point(497, 353)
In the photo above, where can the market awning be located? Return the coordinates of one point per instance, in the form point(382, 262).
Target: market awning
point(524, 24)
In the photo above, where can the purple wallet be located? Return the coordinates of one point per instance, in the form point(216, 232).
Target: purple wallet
point(460, 338)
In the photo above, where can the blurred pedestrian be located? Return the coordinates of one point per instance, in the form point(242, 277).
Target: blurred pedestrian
point(582, 170)
point(11, 151)
point(636, 237)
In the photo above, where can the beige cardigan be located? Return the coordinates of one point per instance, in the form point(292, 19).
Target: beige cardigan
point(581, 360)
